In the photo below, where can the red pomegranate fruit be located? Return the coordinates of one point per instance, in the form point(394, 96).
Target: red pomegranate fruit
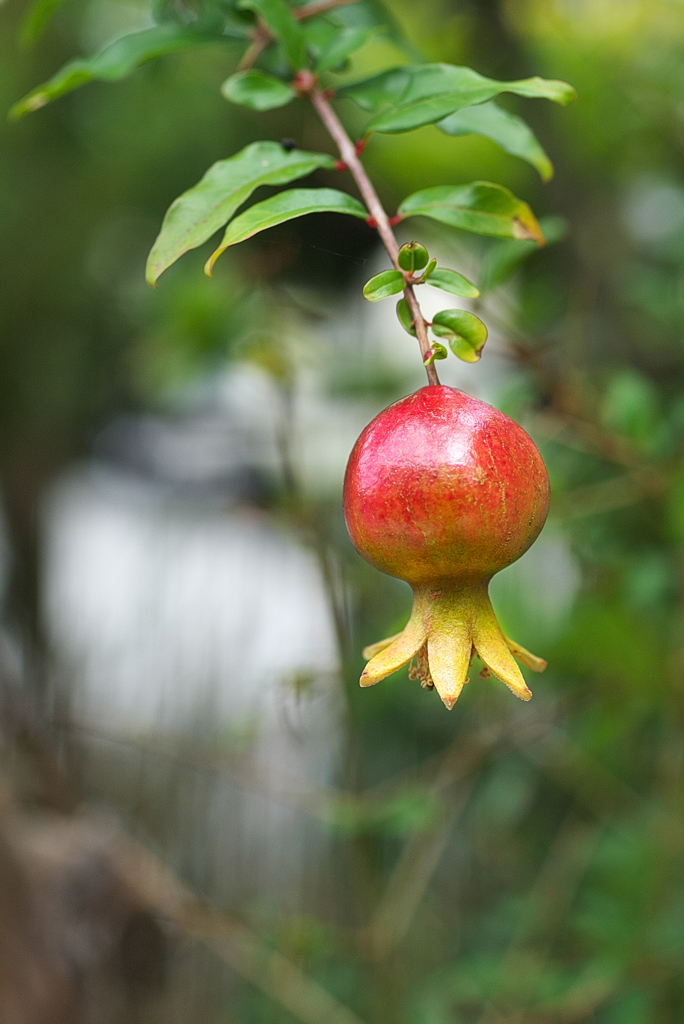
point(443, 491)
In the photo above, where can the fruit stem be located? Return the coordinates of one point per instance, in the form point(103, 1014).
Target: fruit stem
point(349, 155)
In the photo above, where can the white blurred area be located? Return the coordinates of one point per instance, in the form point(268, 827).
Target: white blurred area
point(177, 603)
point(177, 616)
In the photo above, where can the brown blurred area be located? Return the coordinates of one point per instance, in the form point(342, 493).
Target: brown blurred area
point(78, 944)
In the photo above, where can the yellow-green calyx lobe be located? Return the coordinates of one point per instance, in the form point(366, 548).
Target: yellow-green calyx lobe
point(447, 627)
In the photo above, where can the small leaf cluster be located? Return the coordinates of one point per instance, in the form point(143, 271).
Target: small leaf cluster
point(465, 332)
point(291, 52)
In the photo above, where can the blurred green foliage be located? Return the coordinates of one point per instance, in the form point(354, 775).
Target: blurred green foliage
point(510, 863)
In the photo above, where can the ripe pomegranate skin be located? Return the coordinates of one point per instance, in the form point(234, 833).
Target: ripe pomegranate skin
point(443, 491)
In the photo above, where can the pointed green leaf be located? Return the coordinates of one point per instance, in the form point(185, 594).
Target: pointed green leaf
point(507, 130)
point(284, 27)
point(116, 61)
point(405, 317)
point(295, 202)
point(389, 282)
point(342, 44)
point(256, 90)
point(209, 205)
point(428, 93)
point(505, 256)
point(451, 281)
point(481, 207)
point(464, 331)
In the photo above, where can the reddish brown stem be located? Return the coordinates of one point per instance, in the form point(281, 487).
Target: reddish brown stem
point(311, 10)
point(349, 155)
point(261, 37)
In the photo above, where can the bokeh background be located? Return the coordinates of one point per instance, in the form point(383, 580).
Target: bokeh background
point(203, 818)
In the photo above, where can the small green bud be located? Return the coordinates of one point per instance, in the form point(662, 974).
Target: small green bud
point(413, 256)
point(437, 351)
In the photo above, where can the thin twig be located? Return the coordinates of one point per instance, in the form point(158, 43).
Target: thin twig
point(311, 10)
point(607, 495)
point(595, 787)
point(410, 880)
point(420, 858)
point(568, 409)
point(376, 210)
point(546, 904)
point(261, 38)
point(228, 938)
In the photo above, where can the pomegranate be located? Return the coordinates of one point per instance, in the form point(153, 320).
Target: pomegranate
point(443, 491)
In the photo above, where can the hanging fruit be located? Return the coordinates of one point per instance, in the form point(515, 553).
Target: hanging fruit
point(444, 491)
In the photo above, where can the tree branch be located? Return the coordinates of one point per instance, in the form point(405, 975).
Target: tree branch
point(376, 210)
point(261, 37)
point(276, 975)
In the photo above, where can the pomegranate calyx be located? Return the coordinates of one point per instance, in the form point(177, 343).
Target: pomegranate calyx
point(450, 625)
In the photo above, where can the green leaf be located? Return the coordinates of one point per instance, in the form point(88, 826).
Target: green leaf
point(319, 35)
point(389, 282)
point(464, 331)
point(373, 93)
point(429, 271)
point(257, 90)
point(481, 207)
point(284, 27)
point(295, 202)
point(504, 257)
point(375, 14)
point(507, 130)
point(405, 317)
point(116, 61)
point(342, 44)
point(195, 215)
point(425, 94)
point(451, 281)
point(38, 17)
